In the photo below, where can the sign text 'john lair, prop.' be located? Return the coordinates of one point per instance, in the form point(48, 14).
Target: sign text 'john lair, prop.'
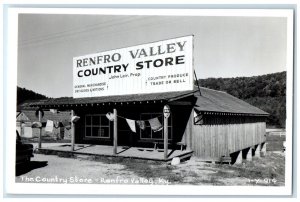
point(162, 66)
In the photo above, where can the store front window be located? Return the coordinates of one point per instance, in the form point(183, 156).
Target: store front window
point(97, 126)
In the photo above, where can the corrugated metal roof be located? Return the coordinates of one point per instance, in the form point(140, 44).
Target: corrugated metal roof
point(219, 101)
point(210, 100)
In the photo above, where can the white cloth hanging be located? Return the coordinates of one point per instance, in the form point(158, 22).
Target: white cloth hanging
point(75, 119)
point(49, 126)
point(110, 116)
point(131, 124)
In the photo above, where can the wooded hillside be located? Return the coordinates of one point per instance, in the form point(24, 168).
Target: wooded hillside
point(23, 94)
point(267, 92)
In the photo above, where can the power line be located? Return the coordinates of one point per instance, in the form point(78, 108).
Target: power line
point(44, 41)
point(69, 30)
point(73, 31)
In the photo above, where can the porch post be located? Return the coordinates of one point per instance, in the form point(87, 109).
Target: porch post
point(72, 131)
point(21, 129)
point(165, 138)
point(115, 132)
point(41, 128)
point(166, 112)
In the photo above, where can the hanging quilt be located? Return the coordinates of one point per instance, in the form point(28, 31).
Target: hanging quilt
point(155, 124)
point(141, 124)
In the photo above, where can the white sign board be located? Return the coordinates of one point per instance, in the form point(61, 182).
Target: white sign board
point(163, 66)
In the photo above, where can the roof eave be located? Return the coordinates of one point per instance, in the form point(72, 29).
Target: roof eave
point(231, 113)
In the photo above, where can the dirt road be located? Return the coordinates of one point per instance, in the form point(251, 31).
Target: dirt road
point(267, 171)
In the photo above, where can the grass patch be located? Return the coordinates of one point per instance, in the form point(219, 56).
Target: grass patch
point(154, 170)
point(212, 180)
point(275, 141)
point(274, 137)
point(272, 167)
point(145, 169)
point(269, 167)
point(45, 139)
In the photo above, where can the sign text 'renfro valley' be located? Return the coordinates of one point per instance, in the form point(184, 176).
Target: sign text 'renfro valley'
point(162, 66)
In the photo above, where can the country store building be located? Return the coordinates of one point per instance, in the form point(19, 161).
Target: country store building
point(145, 105)
point(212, 125)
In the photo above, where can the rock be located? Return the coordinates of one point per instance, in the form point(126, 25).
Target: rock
point(175, 161)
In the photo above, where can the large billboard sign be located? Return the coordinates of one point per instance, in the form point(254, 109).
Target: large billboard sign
point(162, 66)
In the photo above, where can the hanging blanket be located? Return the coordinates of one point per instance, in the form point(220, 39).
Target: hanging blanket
point(141, 124)
point(66, 124)
point(155, 124)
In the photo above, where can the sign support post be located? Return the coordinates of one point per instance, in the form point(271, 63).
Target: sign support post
point(115, 132)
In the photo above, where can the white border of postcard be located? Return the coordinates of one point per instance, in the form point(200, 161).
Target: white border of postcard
point(33, 188)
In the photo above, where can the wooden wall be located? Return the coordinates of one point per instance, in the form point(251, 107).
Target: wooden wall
point(212, 141)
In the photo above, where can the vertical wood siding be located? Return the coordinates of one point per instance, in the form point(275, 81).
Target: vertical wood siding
point(215, 141)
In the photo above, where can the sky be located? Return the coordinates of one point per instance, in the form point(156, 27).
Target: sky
point(223, 46)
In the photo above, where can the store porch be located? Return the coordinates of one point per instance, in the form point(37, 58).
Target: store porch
point(122, 152)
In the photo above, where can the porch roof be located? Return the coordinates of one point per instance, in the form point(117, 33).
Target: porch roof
point(209, 101)
point(160, 97)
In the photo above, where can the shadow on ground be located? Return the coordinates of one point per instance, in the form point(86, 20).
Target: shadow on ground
point(27, 167)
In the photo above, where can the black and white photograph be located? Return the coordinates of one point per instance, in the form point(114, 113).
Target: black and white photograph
point(159, 99)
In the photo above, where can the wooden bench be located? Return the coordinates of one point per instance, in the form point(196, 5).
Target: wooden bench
point(182, 145)
point(159, 143)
